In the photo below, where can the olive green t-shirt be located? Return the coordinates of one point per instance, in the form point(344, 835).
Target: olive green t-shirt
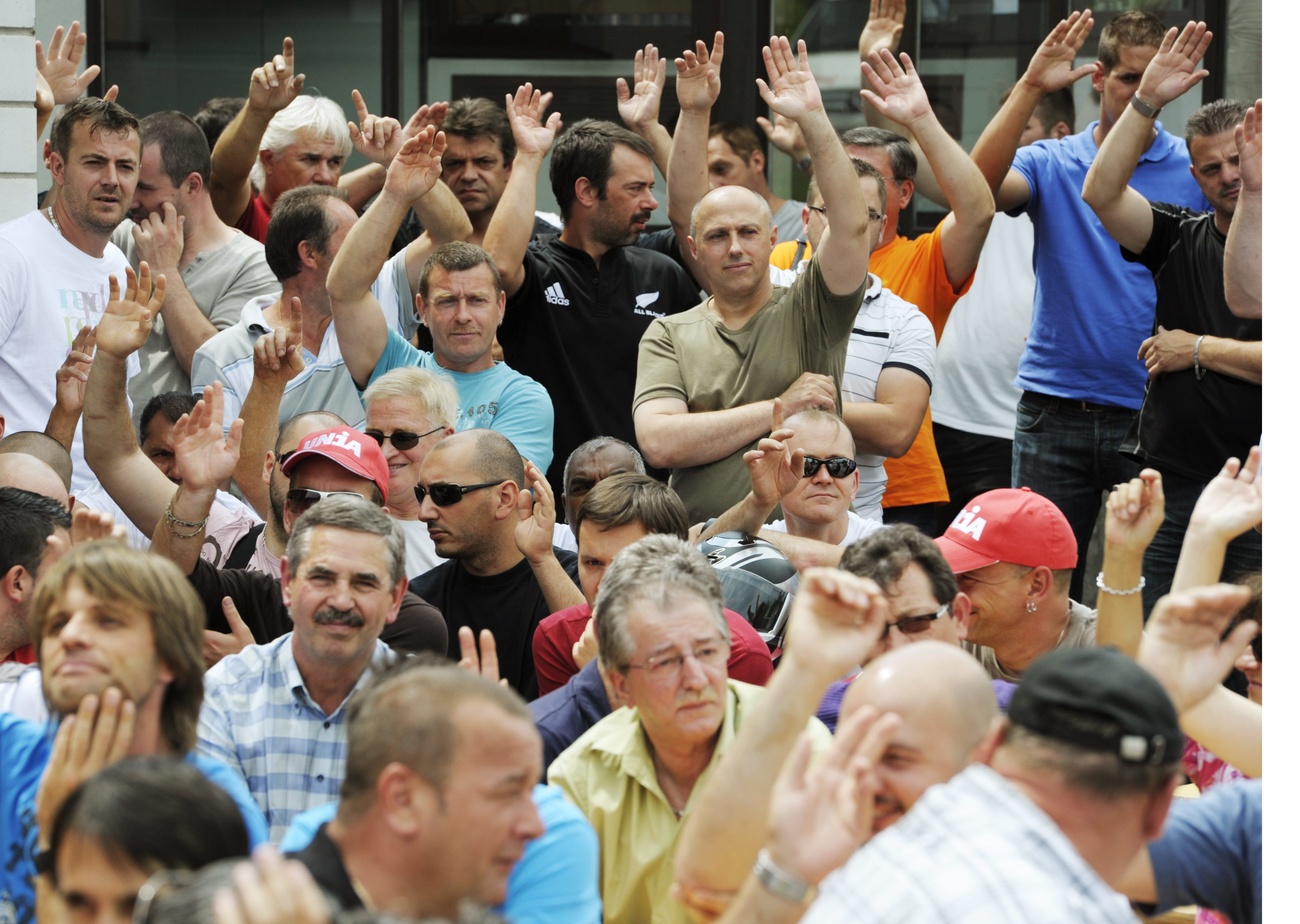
point(695, 358)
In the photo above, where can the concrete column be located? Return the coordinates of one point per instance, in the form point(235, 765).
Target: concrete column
point(18, 158)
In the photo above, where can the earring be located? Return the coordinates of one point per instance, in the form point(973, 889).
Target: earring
point(1031, 606)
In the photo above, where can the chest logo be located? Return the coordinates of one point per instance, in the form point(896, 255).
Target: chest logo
point(643, 303)
point(555, 295)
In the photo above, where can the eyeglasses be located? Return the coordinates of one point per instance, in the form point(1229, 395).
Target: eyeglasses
point(663, 667)
point(839, 467)
point(299, 499)
point(444, 495)
point(1257, 647)
point(872, 214)
point(157, 885)
point(402, 439)
point(914, 625)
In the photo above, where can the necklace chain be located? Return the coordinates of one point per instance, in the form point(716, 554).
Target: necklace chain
point(49, 210)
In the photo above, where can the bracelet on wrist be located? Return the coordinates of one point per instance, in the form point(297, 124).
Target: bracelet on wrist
point(173, 521)
point(1101, 585)
point(779, 882)
point(1196, 358)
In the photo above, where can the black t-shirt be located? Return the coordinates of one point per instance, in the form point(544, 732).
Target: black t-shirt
point(510, 604)
point(418, 627)
point(1187, 425)
point(576, 327)
point(325, 863)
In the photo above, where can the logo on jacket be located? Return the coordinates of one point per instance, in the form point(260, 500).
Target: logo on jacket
point(555, 295)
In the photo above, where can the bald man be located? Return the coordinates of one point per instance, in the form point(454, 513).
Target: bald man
point(43, 447)
point(20, 470)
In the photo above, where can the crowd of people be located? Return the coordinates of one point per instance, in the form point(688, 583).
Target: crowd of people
point(375, 546)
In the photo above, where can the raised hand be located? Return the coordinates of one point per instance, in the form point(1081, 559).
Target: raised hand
point(277, 356)
point(160, 239)
point(1249, 136)
point(699, 79)
point(1052, 66)
point(786, 136)
point(417, 166)
point(884, 27)
point(128, 317)
point(898, 94)
point(836, 622)
point(92, 525)
point(480, 659)
point(376, 138)
point(274, 86)
point(1233, 501)
point(429, 115)
point(774, 469)
point(205, 456)
point(70, 379)
point(639, 107)
point(98, 734)
point(59, 68)
point(1184, 646)
point(270, 890)
point(1176, 67)
point(526, 108)
point(1134, 511)
point(216, 645)
point(790, 89)
point(535, 531)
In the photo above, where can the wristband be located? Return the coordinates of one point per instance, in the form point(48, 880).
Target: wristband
point(1144, 108)
point(1196, 358)
point(1101, 585)
point(778, 881)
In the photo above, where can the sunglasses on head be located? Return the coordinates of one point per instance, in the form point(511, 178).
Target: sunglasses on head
point(299, 499)
point(839, 467)
point(402, 439)
point(444, 495)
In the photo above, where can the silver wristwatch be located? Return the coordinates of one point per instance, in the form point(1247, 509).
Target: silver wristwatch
point(1144, 108)
point(778, 881)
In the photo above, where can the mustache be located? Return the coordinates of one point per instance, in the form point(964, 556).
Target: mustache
point(641, 216)
point(331, 617)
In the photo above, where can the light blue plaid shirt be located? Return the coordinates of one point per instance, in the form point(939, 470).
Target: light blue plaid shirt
point(258, 717)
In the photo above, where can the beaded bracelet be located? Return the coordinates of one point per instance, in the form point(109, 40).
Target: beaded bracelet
point(1101, 585)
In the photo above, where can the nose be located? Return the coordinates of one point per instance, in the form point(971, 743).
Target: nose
point(108, 176)
point(74, 631)
point(1246, 661)
point(429, 511)
point(327, 174)
point(693, 675)
point(823, 475)
point(469, 172)
point(651, 203)
point(530, 826)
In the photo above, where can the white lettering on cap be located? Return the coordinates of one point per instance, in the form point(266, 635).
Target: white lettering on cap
point(334, 439)
point(967, 522)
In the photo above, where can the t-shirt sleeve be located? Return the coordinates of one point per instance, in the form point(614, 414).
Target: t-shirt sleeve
point(13, 285)
point(525, 299)
point(914, 348)
point(553, 653)
point(557, 881)
point(1166, 221)
point(526, 417)
point(398, 353)
point(392, 289)
point(1029, 162)
point(658, 374)
point(828, 317)
point(253, 278)
point(255, 595)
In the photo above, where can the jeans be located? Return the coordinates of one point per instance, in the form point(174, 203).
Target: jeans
point(924, 517)
point(1244, 554)
point(1068, 451)
point(972, 464)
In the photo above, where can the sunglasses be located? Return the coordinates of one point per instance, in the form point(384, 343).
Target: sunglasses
point(402, 439)
point(299, 499)
point(1257, 647)
point(444, 495)
point(839, 467)
point(914, 625)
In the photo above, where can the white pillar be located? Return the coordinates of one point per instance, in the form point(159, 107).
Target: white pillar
point(18, 159)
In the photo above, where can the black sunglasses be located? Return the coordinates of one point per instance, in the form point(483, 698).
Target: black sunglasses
point(1257, 647)
point(402, 439)
point(914, 625)
point(444, 495)
point(299, 499)
point(839, 467)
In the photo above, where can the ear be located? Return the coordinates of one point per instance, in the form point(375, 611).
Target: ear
point(982, 753)
point(307, 256)
point(757, 161)
point(419, 309)
point(286, 577)
point(905, 190)
point(268, 467)
point(960, 609)
point(55, 162)
point(695, 251)
point(1060, 130)
point(773, 235)
point(193, 184)
point(398, 794)
point(507, 500)
point(586, 192)
point(399, 592)
point(1040, 583)
point(617, 682)
point(15, 584)
point(267, 159)
point(1156, 809)
point(1099, 77)
point(501, 307)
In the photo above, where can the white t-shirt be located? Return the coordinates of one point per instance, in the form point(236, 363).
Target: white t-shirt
point(975, 380)
point(421, 554)
point(859, 528)
point(48, 290)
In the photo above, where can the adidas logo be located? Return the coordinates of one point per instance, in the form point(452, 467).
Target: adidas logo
point(555, 295)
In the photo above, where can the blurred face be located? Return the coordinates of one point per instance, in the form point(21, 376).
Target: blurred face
point(1215, 168)
point(344, 218)
point(819, 498)
point(309, 161)
point(912, 595)
point(159, 446)
point(922, 754)
point(597, 548)
point(341, 597)
point(390, 415)
point(318, 473)
point(1035, 130)
point(90, 645)
point(489, 791)
point(997, 595)
point(727, 168)
point(475, 170)
point(97, 180)
point(589, 470)
point(1118, 84)
point(154, 187)
point(95, 888)
point(620, 217)
point(681, 704)
point(463, 529)
point(1253, 668)
point(733, 242)
point(463, 311)
point(815, 220)
point(897, 193)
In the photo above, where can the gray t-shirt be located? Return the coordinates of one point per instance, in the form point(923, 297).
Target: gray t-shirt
point(221, 282)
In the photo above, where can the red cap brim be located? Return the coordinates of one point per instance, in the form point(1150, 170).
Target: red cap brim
point(961, 559)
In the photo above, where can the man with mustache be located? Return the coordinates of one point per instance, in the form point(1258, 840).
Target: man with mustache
point(1204, 396)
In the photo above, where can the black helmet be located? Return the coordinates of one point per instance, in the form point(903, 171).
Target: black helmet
point(758, 581)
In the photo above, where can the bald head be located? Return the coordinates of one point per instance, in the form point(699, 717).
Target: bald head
point(725, 201)
point(43, 447)
point(492, 455)
point(20, 470)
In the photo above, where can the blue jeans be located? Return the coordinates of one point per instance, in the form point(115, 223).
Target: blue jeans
point(1068, 451)
point(1244, 554)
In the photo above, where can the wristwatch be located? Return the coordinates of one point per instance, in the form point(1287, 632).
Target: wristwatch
point(1144, 108)
point(778, 881)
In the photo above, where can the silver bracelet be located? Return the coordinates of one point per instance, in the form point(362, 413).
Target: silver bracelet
point(779, 882)
point(1196, 358)
point(1101, 585)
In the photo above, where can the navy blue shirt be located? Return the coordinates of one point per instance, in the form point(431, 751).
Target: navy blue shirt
point(563, 715)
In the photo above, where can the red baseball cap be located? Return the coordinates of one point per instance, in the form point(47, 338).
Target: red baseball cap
point(353, 450)
point(1011, 525)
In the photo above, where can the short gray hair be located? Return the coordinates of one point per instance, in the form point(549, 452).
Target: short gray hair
point(593, 446)
point(357, 514)
point(1222, 115)
point(656, 569)
point(434, 391)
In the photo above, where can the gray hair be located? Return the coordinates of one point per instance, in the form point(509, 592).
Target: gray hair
point(435, 392)
point(593, 446)
point(656, 569)
point(767, 209)
point(357, 514)
point(319, 114)
point(902, 159)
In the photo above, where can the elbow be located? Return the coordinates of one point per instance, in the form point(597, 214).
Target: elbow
point(898, 442)
point(656, 446)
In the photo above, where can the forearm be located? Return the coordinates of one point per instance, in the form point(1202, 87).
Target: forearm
point(965, 191)
point(747, 517)
point(804, 552)
point(756, 905)
point(180, 537)
point(1116, 159)
point(511, 227)
point(261, 413)
point(359, 322)
point(681, 440)
point(233, 159)
point(1200, 561)
point(882, 429)
point(1232, 727)
point(688, 179)
point(996, 147)
point(558, 588)
point(62, 425)
point(443, 216)
point(846, 227)
point(1243, 276)
point(187, 327)
point(1119, 616)
point(1241, 359)
point(660, 140)
point(363, 184)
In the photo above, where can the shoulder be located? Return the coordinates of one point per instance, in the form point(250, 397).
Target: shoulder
point(251, 668)
point(429, 585)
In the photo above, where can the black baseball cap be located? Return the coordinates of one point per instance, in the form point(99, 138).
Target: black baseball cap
point(1100, 700)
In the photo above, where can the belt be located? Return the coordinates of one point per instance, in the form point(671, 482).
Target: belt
point(1053, 403)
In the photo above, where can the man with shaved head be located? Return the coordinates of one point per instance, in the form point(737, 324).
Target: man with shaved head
point(469, 492)
point(706, 377)
point(19, 470)
point(43, 447)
